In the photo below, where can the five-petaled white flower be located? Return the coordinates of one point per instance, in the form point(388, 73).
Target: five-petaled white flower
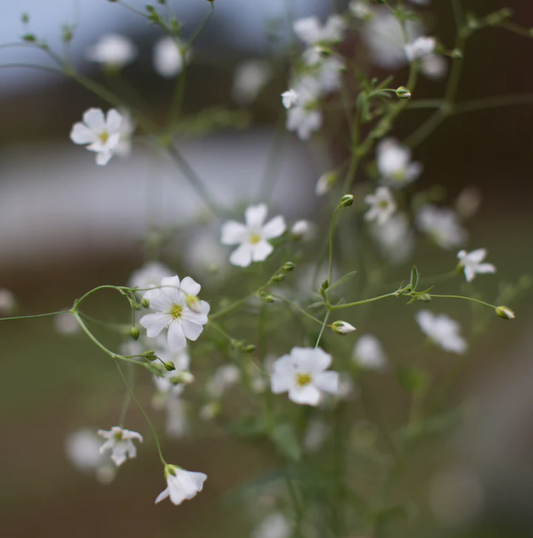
point(101, 133)
point(442, 225)
point(442, 330)
point(420, 47)
point(382, 205)
point(303, 375)
point(368, 353)
point(120, 442)
point(178, 309)
point(394, 163)
point(114, 51)
point(311, 31)
point(289, 98)
point(181, 484)
point(253, 236)
point(168, 57)
point(304, 117)
point(472, 263)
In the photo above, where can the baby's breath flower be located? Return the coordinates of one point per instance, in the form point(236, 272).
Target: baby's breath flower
point(253, 237)
point(368, 353)
point(113, 51)
point(149, 276)
point(225, 377)
point(342, 327)
point(275, 525)
point(249, 79)
point(442, 330)
point(303, 375)
point(472, 263)
point(311, 31)
point(304, 229)
point(420, 47)
point(304, 117)
point(382, 205)
point(120, 442)
point(360, 10)
point(394, 163)
point(442, 225)
point(434, 66)
point(326, 182)
point(181, 484)
point(7, 301)
point(505, 313)
point(168, 57)
point(289, 98)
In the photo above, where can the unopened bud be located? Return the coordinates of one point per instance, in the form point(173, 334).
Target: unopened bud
point(278, 278)
point(134, 333)
point(325, 52)
point(324, 285)
point(423, 297)
point(289, 266)
point(342, 328)
point(183, 378)
point(135, 305)
point(150, 355)
point(169, 366)
point(194, 303)
point(403, 93)
point(249, 348)
point(145, 303)
point(456, 53)
point(347, 200)
point(505, 313)
point(268, 298)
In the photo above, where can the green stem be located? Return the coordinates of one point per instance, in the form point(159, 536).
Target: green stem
point(127, 396)
point(462, 297)
point(294, 305)
point(364, 301)
point(36, 315)
point(324, 324)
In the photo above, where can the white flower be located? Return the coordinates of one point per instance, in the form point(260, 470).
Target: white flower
point(468, 202)
point(66, 324)
point(326, 72)
point(289, 98)
point(7, 301)
point(442, 330)
point(100, 132)
point(302, 374)
point(178, 309)
point(342, 327)
point(420, 47)
point(471, 262)
point(249, 79)
point(368, 353)
point(394, 163)
point(442, 225)
point(181, 361)
point(120, 442)
point(275, 525)
point(177, 423)
point(326, 182)
point(181, 484)
point(395, 239)
point(149, 276)
point(168, 57)
point(113, 51)
point(304, 229)
point(434, 66)
point(311, 31)
point(360, 10)
point(382, 205)
point(225, 377)
point(304, 117)
point(315, 435)
point(253, 236)
point(127, 128)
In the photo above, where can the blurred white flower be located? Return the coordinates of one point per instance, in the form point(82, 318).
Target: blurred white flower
point(181, 484)
point(177, 423)
point(368, 353)
point(303, 375)
point(442, 225)
point(382, 205)
point(204, 254)
point(327, 74)
point(394, 163)
point(361, 10)
point(120, 442)
point(249, 79)
point(326, 182)
point(311, 31)
point(7, 301)
point(66, 324)
point(420, 47)
point(181, 361)
point(304, 117)
point(127, 128)
point(168, 57)
point(253, 237)
point(304, 229)
point(149, 275)
point(468, 202)
point(275, 525)
point(442, 330)
point(434, 66)
point(472, 263)
point(315, 435)
point(395, 239)
point(114, 51)
point(225, 377)
point(289, 98)
point(178, 309)
point(99, 132)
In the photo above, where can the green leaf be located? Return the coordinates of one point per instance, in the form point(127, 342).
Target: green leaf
point(414, 278)
point(284, 437)
point(343, 280)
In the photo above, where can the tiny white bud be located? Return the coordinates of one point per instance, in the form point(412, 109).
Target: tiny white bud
point(342, 327)
point(403, 93)
point(505, 313)
point(194, 303)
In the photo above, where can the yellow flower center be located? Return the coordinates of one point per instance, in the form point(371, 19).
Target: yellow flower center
point(176, 311)
point(303, 379)
point(118, 436)
point(383, 204)
point(255, 238)
point(399, 175)
point(104, 137)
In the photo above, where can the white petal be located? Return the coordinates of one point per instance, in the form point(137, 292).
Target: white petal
point(189, 286)
point(163, 495)
point(470, 273)
point(261, 251)
point(81, 134)
point(308, 395)
point(313, 360)
point(113, 121)
point(274, 228)
point(308, 29)
point(255, 215)
point(176, 338)
point(155, 323)
point(327, 381)
point(103, 157)
point(158, 301)
point(94, 119)
point(484, 268)
point(242, 257)
point(191, 330)
point(233, 233)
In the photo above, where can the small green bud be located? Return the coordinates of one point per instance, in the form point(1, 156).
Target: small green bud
point(505, 313)
point(325, 52)
point(183, 378)
point(169, 366)
point(25, 18)
point(135, 305)
point(324, 285)
point(249, 349)
point(134, 333)
point(145, 303)
point(403, 93)
point(278, 278)
point(150, 355)
point(289, 266)
point(29, 38)
point(194, 303)
point(268, 298)
point(423, 297)
point(347, 200)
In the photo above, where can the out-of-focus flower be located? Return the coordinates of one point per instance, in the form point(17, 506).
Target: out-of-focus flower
point(253, 237)
point(225, 377)
point(442, 225)
point(368, 353)
point(7, 301)
point(326, 72)
point(303, 375)
point(113, 51)
point(168, 57)
point(326, 182)
point(382, 205)
point(468, 202)
point(181, 484)
point(311, 31)
point(249, 79)
point(442, 330)
point(315, 435)
point(472, 263)
point(177, 423)
point(66, 324)
point(120, 442)
point(178, 309)
point(304, 117)
point(289, 98)
point(360, 10)
point(434, 66)
point(395, 165)
point(395, 238)
point(181, 361)
point(149, 275)
point(101, 133)
point(420, 47)
point(127, 128)
point(275, 525)
point(304, 229)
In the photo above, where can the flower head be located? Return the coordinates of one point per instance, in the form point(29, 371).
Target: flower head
point(304, 117)
point(120, 442)
point(433, 66)
point(149, 276)
point(253, 236)
point(382, 205)
point(289, 98)
point(420, 47)
point(304, 229)
point(442, 225)
point(342, 327)
point(127, 128)
point(181, 361)
point(368, 353)
point(472, 263)
point(311, 31)
point(181, 484)
point(114, 51)
point(178, 309)
point(168, 57)
point(442, 330)
point(394, 163)
point(303, 375)
point(249, 79)
point(101, 133)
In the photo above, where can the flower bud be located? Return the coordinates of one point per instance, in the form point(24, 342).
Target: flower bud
point(194, 303)
point(505, 313)
point(249, 348)
point(277, 278)
point(325, 52)
point(342, 328)
point(403, 93)
point(183, 378)
point(347, 200)
point(324, 285)
point(289, 266)
point(145, 303)
point(134, 333)
point(169, 366)
point(268, 298)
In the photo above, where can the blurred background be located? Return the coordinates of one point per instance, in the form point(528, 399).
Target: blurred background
point(68, 226)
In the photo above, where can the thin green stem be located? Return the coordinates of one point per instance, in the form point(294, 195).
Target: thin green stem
point(13, 318)
point(331, 236)
point(202, 25)
point(295, 306)
point(127, 396)
point(462, 297)
point(364, 301)
point(324, 324)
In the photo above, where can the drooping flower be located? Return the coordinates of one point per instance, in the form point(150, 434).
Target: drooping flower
point(303, 375)
point(253, 237)
point(181, 484)
point(113, 51)
point(442, 330)
point(120, 442)
point(168, 57)
point(312, 32)
point(342, 327)
point(368, 353)
point(472, 263)
point(382, 205)
point(304, 117)
point(178, 309)
point(249, 79)
point(395, 165)
point(101, 133)
point(395, 238)
point(420, 47)
point(442, 225)
point(7, 301)
point(149, 276)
